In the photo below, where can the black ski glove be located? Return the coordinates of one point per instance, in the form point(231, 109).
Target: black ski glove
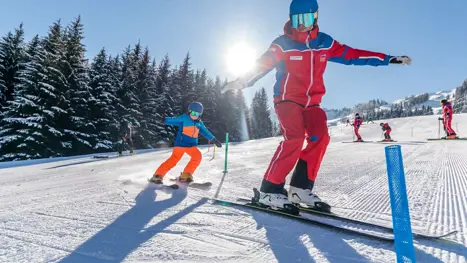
point(404, 60)
point(217, 143)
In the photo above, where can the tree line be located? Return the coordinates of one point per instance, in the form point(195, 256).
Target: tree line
point(54, 102)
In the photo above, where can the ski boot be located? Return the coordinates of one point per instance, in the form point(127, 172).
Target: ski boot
point(274, 201)
point(185, 178)
point(157, 179)
point(308, 198)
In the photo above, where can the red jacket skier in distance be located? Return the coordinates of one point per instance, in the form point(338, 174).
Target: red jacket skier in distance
point(300, 60)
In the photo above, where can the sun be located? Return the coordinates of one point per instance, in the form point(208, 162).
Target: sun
point(240, 58)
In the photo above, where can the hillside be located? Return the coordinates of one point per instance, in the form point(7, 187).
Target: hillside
point(413, 105)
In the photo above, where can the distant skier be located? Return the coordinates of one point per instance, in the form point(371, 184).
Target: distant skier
point(126, 141)
point(189, 126)
point(356, 126)
point(300, 56)
point(347, 123)
point(387, 130)
point(447, 119)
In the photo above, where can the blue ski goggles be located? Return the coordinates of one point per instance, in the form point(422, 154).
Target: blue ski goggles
point(195, 113)
point(306, 19)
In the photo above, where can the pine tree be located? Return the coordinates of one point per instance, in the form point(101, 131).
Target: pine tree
point(12, 59)
point(131, 105)
point(164, 102)
point(261, 116)
point(146, 90)
point(81, 131)
point(103, 108)
point(29, 124)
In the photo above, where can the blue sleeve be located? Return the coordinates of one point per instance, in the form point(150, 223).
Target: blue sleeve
point(176, 121)
point(205, 132)
point(343, 54)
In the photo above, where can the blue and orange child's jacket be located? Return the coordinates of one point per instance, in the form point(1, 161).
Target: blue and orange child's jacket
point(188, 130)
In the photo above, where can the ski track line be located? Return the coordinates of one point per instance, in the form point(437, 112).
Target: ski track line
point(42, 244)
point(459, 191)
point(25, 204)
point(373, 191)
point(110, 224)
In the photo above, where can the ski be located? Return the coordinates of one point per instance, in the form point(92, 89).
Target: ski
point(444, 139)
point(358, 142)
point(172, 186)
point(382, 236)
point(193, 183)
point(351, 220)
point(306, 209)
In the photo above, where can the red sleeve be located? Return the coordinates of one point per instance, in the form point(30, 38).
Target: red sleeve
point(264, 64)
point(344, 54)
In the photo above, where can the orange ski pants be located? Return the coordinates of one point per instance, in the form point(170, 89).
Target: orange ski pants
point(176, 156)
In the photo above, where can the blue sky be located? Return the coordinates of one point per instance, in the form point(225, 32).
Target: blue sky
point(433, 34)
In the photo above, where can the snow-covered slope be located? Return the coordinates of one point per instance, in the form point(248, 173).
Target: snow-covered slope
point(101, 211)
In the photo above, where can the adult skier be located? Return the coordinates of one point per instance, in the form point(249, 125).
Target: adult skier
point(447, 119)
point(126, 141)
point(300, 56)
point(358, 121)
point(387, 130)
point(189, 126)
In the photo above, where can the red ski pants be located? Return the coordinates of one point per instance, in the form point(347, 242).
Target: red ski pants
point(447, 125)
point(297, 122)
point(355, 129)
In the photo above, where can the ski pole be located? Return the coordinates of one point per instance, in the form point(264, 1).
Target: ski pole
point(225, 165)
point(214, 153)
point(439, 129)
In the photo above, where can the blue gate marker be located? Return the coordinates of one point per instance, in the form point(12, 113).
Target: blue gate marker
point(403, 240)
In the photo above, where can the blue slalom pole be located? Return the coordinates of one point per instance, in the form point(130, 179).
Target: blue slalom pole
point(403, 240)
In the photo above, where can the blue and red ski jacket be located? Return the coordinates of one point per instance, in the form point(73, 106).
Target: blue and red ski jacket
point(188, 130)
point(300, 60)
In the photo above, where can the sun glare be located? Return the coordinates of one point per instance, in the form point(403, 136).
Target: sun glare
point(240, 58)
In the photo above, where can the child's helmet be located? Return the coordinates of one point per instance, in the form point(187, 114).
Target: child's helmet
point(444, 101)
point(196, 107)
point(381, 124)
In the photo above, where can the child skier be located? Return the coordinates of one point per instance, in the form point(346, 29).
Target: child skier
point(189, 126)
point(447, 119)
point(299, 57)
point(387, 130)
point(356, 126)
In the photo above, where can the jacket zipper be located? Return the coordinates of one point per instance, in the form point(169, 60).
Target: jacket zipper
point(312, 63)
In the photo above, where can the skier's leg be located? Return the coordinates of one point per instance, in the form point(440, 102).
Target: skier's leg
point(356, 132)
point(120, 147)
point(308, 165)
point(170, 163)
point(193, 164)
point(388, 134)
point(450, 131)
point(286, 155)
point(131, 146)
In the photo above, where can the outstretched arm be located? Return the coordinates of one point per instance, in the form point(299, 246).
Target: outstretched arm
point(263, 66)
point(205, 132)
point(175, 121)
point(341, 53)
